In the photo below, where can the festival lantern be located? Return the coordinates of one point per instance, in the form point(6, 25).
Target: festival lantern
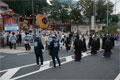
point(42, 21)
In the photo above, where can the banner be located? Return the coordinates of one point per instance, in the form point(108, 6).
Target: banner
point(11, 27)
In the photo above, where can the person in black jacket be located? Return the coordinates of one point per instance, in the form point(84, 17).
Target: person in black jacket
point(108, 47)
point(54, 49)
point(19, 38)
point(78, 48)
point(68, 44)
point(94, 45)
point(84, 44)
point(98, 42)
point(112, 40)
point(90, 41)
point(38, 46)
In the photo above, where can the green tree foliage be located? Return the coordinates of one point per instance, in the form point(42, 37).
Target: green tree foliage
point(97, 8)
point(58, 11)
point(18, 6)
point(24, 7)
point(101, 10)
point(114, 18)
point(76, 12)
point(87, 6)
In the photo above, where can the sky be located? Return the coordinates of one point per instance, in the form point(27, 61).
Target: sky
point(117, 6)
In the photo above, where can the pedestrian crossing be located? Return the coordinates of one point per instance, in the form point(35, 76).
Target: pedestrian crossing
point(1, 56)
point(10, 72)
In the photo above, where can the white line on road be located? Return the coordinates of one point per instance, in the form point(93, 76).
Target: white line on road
point(50, 60)
point(68, 59)
point(22, 54)
point(118, 77)
point(9, 74)
point(1, 56)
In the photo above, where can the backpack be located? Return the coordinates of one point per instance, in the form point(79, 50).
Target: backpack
point(36, 44)
point(13, 38)
point(55, 44)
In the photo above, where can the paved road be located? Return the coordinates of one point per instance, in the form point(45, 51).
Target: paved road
point(20, 65)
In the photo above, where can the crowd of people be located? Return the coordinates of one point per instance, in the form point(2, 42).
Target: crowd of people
point(54, 41)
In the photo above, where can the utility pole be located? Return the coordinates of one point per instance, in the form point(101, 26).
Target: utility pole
point(33, 18)
point(115, 6)
point(107, 17)
point(93, 17)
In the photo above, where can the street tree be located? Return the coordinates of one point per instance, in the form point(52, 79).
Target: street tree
point(101, 10)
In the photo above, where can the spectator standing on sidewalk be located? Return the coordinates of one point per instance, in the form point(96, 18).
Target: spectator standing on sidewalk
point(27, 41)
point(9, 42)
point(3, 39)
point(19, 38)
point(13, 40)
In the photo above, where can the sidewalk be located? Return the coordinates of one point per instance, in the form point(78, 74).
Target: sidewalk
point(20, 49)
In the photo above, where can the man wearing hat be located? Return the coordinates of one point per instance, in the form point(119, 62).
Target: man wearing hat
point(54, 48)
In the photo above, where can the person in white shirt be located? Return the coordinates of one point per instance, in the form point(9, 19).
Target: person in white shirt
point(27, 41)
point(46, 41)
point(9, 42)
point(13, 40)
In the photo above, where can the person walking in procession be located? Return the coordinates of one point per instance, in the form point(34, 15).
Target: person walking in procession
point(98, 42)
point(68, 44)
point(54, 49)
point(84, 44)
point(94, 45)
point(38, 46)
point(108, 47)
point(103, 41)
point(78, 48)
point(112, 40)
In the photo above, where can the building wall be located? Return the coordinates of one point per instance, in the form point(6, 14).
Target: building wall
point(1, 24)
point(83, 28)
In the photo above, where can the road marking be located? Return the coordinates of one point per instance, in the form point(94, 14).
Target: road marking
point(118, 77)
point(1, 56)
point(68, 59)
point(8, 51)
point(9, 74)
point(83, 54)
point(22, 54)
